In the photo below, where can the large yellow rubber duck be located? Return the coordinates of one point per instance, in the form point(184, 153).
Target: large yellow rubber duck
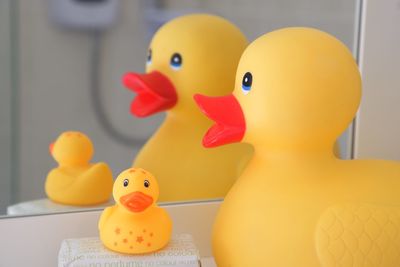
point(76, 181)
point(296, 204)
point(135, 225)
point(191, 54)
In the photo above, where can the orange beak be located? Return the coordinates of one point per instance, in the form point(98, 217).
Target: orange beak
point(51, 147)
point(230, 124)
point(155, 92)
point(136, 201)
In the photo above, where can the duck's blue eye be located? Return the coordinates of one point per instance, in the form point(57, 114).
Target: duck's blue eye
point(176, 61)
point(148, 60)
point(246, 82)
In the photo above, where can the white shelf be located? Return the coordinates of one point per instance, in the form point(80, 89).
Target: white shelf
point(35, 240)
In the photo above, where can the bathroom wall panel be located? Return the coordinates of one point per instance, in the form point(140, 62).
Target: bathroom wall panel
point(378, 122)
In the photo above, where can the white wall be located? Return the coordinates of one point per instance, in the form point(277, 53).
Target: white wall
point(378, 122)
point(55, 67)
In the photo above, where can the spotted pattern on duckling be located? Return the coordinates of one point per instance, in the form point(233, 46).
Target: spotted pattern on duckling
point(359, 235)
point(139, 240)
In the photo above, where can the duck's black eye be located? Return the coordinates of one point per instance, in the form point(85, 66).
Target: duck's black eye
point(126, 182)
point(176, 61)
point(246, 82)
point(148, 60)
point(146, 183)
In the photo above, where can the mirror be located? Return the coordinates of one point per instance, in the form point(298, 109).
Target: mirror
point(56, 78)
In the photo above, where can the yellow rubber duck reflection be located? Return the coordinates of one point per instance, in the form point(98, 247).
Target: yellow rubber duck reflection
point(191, 54)
point(76, 181)
point(135, 224)
point(296, 204)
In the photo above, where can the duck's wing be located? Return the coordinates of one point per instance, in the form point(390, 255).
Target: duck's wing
point(104, 216)
point(58, 180)
point(99, 175)
point(359, 235)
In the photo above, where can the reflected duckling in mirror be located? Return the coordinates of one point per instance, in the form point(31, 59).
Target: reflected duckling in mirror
point(76, 181)
point(135, 224)
point(191, 54)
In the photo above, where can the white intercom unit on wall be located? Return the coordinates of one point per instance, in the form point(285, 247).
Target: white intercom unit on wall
point(84, 14)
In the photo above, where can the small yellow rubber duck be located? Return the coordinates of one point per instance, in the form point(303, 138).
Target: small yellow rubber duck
point(296, 204)
point(76, 181)
point(196, 53)
point(135, 224)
